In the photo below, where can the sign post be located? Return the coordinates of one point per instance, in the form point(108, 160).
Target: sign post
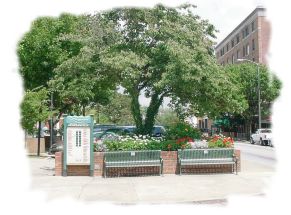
point(78, 142)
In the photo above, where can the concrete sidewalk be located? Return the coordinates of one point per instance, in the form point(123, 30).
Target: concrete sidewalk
point(209, 189)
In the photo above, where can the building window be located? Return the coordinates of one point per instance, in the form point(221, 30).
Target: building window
point(247, 31)
point(253, 44)
point(237, 39)
point(247, 49)
point(244, 51)
point(227, 47)
point(206, 123)
point(237, 54)
point(243, 34)
point(227, 61)
point(253, 26)
point(222, 52)
point(232, 43)
point(232, 59)
point(254, 59)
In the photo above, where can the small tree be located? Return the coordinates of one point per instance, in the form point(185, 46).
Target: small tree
point(34, 109)
point(42, 50)
point(246, 78)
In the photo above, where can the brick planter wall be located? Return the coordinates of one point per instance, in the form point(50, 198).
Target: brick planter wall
point(170, 167)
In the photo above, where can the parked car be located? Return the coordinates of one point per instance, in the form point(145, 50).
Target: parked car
point(99, 137)
point(158, 131)
point(262, 136)
point(103, 127)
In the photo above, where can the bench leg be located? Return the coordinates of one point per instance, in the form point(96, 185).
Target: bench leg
point(236, 166)
point(180, 169)
point(161, 169)
point(104, 170)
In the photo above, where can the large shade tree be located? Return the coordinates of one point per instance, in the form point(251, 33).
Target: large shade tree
point(167, 52)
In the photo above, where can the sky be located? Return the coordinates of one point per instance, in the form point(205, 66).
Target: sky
point(16, 16)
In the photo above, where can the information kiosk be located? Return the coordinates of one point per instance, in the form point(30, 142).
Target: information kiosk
point(78, 142)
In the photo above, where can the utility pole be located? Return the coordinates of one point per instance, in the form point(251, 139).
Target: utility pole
point(259, 89)
point(51, 124)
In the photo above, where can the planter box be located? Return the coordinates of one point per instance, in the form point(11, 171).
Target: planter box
point(170, 167)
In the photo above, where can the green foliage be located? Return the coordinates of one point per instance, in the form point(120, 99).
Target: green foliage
point(167, 117)
point(245, 77)
point(181, 130)
point(40, 51)
point(118, 110)
point(169, 145)
point(164, 52)
point(34, 108)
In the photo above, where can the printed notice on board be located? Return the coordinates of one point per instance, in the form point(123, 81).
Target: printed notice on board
point(78, 145)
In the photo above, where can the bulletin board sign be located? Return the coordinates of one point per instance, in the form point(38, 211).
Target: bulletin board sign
point(78, 142)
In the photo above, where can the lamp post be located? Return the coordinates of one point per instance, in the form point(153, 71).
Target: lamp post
point(259, 90)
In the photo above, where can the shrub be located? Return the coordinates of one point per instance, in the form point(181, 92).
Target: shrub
point(220, 141)
point(130, 143)
point(182, 130)
point(169, 145)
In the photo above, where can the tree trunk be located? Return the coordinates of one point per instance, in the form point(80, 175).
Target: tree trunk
point(38, 140)
point(135, 109)
point(98, 114)
point(248, 129)
point(152, 112)
point(83, 110)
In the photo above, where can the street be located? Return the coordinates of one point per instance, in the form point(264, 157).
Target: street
point(257, 154)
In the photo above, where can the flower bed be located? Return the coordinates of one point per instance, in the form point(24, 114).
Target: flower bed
point(220, 141)
point(143, 143)
point(150, 143)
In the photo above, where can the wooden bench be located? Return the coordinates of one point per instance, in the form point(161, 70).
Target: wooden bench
point(191, 157)
point(121, 159)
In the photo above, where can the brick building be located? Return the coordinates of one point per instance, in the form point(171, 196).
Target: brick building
point(249, 40)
